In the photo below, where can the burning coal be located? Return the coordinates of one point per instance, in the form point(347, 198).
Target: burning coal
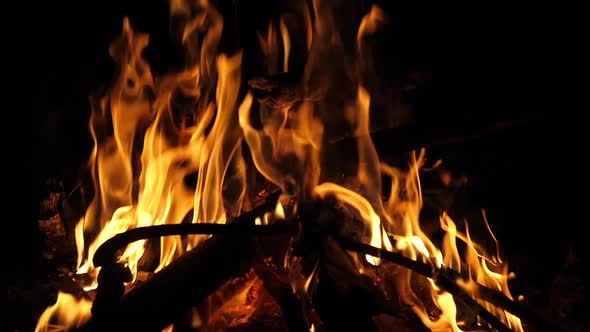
point(277, 128)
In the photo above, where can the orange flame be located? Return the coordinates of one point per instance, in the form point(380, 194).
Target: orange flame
point(67, 312)
point(144, 184)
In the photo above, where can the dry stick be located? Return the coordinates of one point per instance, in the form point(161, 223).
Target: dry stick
point(500, 300)
point(243, 224)
point(427, 271)
point(442, 279)
point(459, 294)
point(106, 253)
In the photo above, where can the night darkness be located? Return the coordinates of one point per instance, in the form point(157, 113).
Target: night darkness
point(484, 63)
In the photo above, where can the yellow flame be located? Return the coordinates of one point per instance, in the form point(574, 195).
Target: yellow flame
point(67, 312)
point(496, 243)
point(310, 277)
point(286, 44)
point(279, 212)
point(128, 107)
point(451, 259)
point(276, 142)
point(363, 207)
point(371, 23)
point(171, 151)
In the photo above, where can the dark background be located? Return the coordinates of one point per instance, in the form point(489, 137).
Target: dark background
point(485, 62)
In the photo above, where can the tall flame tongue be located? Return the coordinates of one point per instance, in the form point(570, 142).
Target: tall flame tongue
point(145, 184)
point(116, 121)
point(172, 149)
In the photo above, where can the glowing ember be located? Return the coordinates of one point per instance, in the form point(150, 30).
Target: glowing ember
point(285, 145)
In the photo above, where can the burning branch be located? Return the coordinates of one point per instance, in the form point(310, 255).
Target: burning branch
point(244, 224)
point(445, 278)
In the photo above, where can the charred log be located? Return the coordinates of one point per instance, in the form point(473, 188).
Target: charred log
point(279, 288)
point(345, 298)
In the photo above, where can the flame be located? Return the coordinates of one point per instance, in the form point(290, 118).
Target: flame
point(150, 136)
point(309, 279)
point(371, 23)
point(282, 137)
point(452, 259)
point(115, 122)
point(279, 211)
point(268, 45)
point(480, 272)
point(364, 208)
point(286, 44)
point(67, 312)
point(171, 150)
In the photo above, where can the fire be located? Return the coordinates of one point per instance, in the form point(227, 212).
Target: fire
point(364, 208)
point(67, 312)
point(145, 148)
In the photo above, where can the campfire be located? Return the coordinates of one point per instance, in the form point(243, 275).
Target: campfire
point(218, 203)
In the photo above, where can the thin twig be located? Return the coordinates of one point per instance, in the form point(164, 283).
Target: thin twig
point(244, 224)
point(445, 279)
